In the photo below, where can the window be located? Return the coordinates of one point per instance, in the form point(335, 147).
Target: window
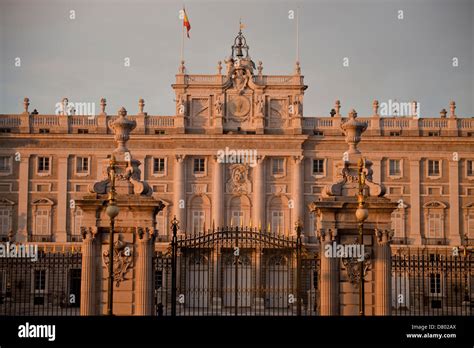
point(435, 228)
point(5, 130)
point(44, 131)
point(42, 222)
point(278, 166)
point(82, 131)
point(395, 134)
point(318, 166)
point(39, 280)
point(198, 221)
point(82, 165)
point(160, 132)
point(158, 166)
point(5, 164)
point(470, 224)
point(5, 221)
point(434, 168)
point(433, 134)
point(77, 223)
point(199, 166)
point(238, 218)
point(158, 279)
point(397, 224)
point(43, 165)
point(435, 283)
point(470, 167)
point(277, 222)
point(312, 225)
point(315, 280)
point(395, 167)
point(161, 224)
point(318, 133)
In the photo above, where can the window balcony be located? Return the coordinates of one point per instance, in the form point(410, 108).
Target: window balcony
point(435, 241)
point(399, 240)
point(40, 238)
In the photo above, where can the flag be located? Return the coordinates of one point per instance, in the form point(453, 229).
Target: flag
point(186, 23)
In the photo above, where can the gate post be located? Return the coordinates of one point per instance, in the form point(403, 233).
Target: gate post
point(383, 273)
point(298, 268)
point(144, 302)
point(88, 293)
point(174, 252)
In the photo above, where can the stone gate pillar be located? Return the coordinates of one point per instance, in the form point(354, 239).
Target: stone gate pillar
point(144, 271)
point(88, 305)
point(329, 273)
point(340, 208)
point(383, 273)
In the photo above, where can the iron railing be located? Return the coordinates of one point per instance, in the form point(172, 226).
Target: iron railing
point(432, 282)
point(50, 285)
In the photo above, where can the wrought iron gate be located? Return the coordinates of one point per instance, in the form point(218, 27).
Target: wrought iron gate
point(236, 271)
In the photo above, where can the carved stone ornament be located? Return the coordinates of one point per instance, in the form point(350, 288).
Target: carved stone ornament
point(145, 233)
point(123, 260)
point(347, 174)
point(352, 265)
point(239, 106)
point(126, 169)
point(239, 182)
point(383, 236)
point(88, 232)
point(240, 79)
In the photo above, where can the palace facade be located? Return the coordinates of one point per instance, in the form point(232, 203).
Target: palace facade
point(276, 161)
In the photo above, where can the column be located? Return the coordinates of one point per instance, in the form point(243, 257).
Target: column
point(179, 194)
point(383, 273)
point(63, 204)
point(217, 194)
point(453, 230)
point(258, 214)
point(415, 209)
point(329, 285)
point(23, 195)
point(377, 170)
point(88, 292)
point(298, 192)
point(144, 272)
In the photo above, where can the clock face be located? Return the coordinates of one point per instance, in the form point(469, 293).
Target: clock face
point(239, 106)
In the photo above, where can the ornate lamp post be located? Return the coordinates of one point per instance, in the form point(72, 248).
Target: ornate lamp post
point(112, 211)
point(362, 213)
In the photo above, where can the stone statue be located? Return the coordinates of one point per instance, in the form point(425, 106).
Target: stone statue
point(181, 108)
point(260, 105)
point(230, 64)
point(218, 105)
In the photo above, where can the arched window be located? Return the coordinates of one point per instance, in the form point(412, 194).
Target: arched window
point(434, 221)
point(76, 231)
point(469, 221)
point(42, 217)
point(398, 223)
point(199, 213)
point(6, 213)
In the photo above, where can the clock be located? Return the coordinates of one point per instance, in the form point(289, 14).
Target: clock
point(239, 106)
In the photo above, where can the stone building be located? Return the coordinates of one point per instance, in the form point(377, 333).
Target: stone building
point(238, 151)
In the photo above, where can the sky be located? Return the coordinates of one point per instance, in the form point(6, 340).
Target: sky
point(390, 58)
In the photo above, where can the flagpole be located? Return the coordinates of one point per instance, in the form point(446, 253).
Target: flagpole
point(182, 39)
